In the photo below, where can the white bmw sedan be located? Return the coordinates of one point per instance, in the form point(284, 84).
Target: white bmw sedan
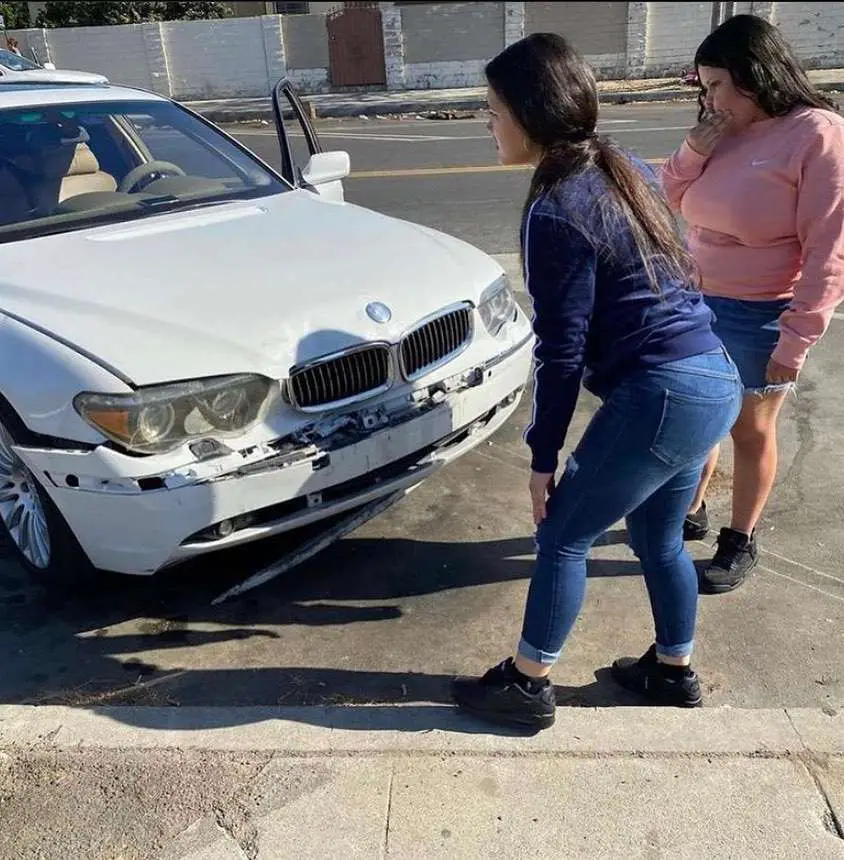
point(197, 351)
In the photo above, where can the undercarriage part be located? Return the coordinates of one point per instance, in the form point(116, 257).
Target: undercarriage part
point(313, 546)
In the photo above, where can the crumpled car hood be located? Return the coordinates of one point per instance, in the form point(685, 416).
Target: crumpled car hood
point(254, 286)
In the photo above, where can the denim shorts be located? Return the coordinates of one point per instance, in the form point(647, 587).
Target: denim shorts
point(750, 332)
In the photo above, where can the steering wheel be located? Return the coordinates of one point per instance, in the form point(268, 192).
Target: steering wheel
point(147, 171)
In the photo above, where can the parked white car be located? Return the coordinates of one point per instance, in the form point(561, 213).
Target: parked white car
point(197, 351)
point(17, 69)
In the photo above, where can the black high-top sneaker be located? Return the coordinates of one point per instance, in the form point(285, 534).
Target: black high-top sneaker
point(507, 697)
point(663, 684)
point(735, 558)
point(696, 525)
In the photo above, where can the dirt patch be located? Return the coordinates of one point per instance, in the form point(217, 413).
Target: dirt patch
point(638, 86)
point(105, 805)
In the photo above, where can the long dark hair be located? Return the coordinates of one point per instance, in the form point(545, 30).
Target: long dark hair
point(762, 65)
point(551, 91)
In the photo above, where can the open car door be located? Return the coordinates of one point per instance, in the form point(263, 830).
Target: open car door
point(303, 162)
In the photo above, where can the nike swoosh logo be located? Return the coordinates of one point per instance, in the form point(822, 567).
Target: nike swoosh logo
point(759, 163)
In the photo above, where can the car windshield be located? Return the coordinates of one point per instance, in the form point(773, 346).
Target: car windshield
point(16, 62)
point(66, 167)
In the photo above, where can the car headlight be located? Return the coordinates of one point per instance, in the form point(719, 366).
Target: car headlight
point(497, 306)
point(161, 418)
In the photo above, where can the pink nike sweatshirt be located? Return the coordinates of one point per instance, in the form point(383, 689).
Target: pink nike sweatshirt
point(765, 214)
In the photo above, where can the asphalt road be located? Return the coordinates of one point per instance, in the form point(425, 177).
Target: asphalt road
point(436, 586)
point(444, 173)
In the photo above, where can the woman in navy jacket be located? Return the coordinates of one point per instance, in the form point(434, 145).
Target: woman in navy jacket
point(615, 309)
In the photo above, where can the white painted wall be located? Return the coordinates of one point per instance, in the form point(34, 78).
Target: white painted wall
point(119, 53)
point(216, 59)
point(815, 31)
point(443, 75)
point(674, 31)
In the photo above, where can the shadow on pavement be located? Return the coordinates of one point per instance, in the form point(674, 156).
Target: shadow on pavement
point(394, 702)
point(94, 646)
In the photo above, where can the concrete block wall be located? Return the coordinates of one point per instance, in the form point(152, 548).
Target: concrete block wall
point(230, 58)
point(673, 33)
point(600, 35)
point(393, 36)
point(674, 30)
point(426, 45)
point(212, 60)
point(815, 30)
point(119, 53)
point(447, 45)
point(306, 47)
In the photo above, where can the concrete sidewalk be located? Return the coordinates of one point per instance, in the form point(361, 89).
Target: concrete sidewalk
point(418, 781)
point(442, 102)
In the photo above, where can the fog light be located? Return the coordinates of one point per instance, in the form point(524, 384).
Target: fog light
point(243, 521)
point(225, 528)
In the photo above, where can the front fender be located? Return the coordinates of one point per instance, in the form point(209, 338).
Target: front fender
point(39, 377)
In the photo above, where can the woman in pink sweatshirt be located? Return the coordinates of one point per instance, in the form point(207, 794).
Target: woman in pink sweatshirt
point(760, 183)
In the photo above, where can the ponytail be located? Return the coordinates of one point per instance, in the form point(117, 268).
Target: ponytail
point(654, 229)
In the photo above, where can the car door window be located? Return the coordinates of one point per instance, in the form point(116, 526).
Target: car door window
point(297, 135)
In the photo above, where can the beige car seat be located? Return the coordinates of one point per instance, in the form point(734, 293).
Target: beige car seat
point(58, 171)
point(84, 175)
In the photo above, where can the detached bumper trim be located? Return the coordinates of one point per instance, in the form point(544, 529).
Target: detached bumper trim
point(408, 470)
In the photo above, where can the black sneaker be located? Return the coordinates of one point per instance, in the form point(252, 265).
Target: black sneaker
point(504, 696)
point(736, 556)
point(696, 525)
point(665, 685)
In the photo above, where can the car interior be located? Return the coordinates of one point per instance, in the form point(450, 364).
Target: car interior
point(56, 163)
point(43, 165)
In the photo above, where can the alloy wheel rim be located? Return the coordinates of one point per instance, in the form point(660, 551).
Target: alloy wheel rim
point(21, 508)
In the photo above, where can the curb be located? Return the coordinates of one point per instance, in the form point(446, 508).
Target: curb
point(340, 111)
point(426, 729)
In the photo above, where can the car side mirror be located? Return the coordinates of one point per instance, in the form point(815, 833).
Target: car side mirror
point(50, 67)
point(324, 167)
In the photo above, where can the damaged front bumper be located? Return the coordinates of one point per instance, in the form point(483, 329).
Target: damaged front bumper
point(138, 525)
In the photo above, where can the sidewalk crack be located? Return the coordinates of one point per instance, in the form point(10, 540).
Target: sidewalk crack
point(796, 730)
point(248, 844)
point(236, 818)
point(831, 821)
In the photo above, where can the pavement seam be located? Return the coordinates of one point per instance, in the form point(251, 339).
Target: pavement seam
point(422, 730)
point(800, 583)
point(460, 752)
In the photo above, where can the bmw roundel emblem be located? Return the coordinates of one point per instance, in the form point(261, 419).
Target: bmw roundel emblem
point(378, 312)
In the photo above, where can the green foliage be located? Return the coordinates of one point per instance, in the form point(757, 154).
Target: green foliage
point(98, 13)
point(16, 15)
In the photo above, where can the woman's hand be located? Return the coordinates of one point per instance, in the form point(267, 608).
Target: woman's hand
point(704, 137)
point(779, 374)
point(541, 484)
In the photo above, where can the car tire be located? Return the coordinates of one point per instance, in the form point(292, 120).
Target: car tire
point(32, 526)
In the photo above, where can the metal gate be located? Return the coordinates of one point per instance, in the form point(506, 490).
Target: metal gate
point(356, 46)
